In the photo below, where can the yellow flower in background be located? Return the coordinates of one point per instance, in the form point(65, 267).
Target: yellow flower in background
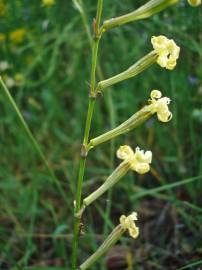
point(29, 59)
point(18, 35)
point(14, 81)
point(2, 37)
point(194, 3)
point(19, 78)
point(139, 161)
point(167, 50)
point(48, 2)
point(128, 223)
point(159, 105)
point(3, 8)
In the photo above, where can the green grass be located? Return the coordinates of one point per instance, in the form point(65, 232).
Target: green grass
point(35, 220)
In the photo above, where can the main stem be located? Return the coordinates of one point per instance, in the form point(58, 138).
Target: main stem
point(91, 104)
point(110, 107)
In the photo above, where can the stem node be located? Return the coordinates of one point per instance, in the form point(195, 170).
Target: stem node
point(92, 95)
point(84, 151)
point(80, 212)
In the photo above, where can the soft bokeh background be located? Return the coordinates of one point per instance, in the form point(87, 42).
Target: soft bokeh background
point(45, 62)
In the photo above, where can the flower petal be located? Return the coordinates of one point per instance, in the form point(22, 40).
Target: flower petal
point(125, 152)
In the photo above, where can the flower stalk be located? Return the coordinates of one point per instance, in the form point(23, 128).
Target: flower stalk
point(117, 174)
point(137, 161)
point(126, 223)
point(106, 245)
point(147, 10)
point(132, 71)
point(157, 104)
point(133, 122)
point(165, 54)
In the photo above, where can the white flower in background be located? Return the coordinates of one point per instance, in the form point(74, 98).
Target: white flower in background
point(159, 105)
point(4, 65)
point(10, 82)
point(139, 161)
point(167, 50)
point(194, 3)
point(128, 223)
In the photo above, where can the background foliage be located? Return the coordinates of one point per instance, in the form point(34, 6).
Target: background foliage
point(46, 67)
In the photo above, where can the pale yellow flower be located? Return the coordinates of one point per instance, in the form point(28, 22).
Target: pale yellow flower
point(18, 35)
point(128, 223)
point(159, 105)
point(167, 50)
point(18, 77)
point(125, 152)
point(139, 161)
point(48, 2)
point(2, 37)
point(194, 3)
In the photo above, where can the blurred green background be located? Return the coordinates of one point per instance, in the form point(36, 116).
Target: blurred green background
point(45, 62)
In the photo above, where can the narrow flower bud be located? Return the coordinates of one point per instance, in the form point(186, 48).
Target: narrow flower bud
point(138, 161)
point(158, 105)
point(147, 10)
point(168, 52)
point(194, 3)
point(134, 121)
point(132, 71)
point(126, 223)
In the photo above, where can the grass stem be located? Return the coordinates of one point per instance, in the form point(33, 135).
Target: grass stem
point(34, 143)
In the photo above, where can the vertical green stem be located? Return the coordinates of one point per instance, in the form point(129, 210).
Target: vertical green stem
point(98, 16)
point(91, 104)
point(96, 42)
point(88, 120)
point(111, 110)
